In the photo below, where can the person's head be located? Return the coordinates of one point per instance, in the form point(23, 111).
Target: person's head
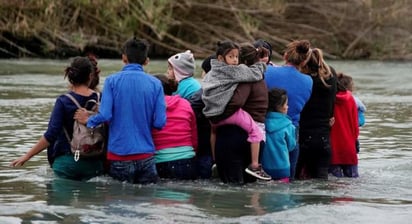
point(95, 80)
point(168, 87)
point(206, 66)
point(250, 54)
point(79, 72)
point(263, 43)
point(316, 66)
point(345, 82)
point(181, 65)
point(228, 51)
point(135, 51)
point(278, 101)
point(297, 53)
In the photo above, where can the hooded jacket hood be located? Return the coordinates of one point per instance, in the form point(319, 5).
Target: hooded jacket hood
point(279, 121)
point(342, 96)
point(172, 102)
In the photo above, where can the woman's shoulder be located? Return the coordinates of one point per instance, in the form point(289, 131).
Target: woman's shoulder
point(72, 97)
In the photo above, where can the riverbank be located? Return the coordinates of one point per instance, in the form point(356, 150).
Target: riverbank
point(343, 29)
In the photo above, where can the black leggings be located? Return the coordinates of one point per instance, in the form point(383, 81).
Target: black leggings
point(314, 156)
point(233, 155)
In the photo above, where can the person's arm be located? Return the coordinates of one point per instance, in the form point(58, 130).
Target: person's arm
point(54, 129)
point(36, 149)
point(237, 101)
point(105, 108)
point(291, 138)
point(193, 125)
point(243, 73)
point(159, 117)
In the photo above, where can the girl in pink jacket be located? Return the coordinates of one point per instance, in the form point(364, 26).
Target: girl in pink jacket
point(176, 143)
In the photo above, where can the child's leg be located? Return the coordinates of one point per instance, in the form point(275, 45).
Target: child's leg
point(242, 119)
point(255, 148)
point(213, 141)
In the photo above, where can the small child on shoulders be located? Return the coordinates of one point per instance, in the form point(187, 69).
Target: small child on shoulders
point(280, 137)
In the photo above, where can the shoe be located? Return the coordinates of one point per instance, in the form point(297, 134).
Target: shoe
point(284, 180)
point(214, 171)
point(258, 173)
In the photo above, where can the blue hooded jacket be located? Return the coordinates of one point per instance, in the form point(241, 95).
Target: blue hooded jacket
point(280, 140)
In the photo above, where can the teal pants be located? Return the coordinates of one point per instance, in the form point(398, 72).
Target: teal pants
point(84, 169)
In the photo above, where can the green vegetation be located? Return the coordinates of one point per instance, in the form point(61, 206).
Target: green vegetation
point(344, 29)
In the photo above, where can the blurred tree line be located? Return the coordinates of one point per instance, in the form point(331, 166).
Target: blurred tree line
point(344, 29)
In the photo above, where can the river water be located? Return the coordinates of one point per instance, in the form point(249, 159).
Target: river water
point(382, 193)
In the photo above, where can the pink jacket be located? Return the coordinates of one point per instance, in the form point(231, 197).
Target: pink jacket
point(180, 128)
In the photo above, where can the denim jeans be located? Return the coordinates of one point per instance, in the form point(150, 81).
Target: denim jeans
point(134, 171)
point(182, 169)
point(344, 170)
point(204, 166)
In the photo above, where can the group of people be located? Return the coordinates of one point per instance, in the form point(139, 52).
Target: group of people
point(248, 118)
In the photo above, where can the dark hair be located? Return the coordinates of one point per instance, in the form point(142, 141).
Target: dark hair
point(168, 86)
point(316, 66)
point(136, 50)
point(206, 63)
point(79, 71)
point(298, 52)
point(264, 44)
point(223, 47)
point(249, 54)
point(344, 82)
point(277, 98)
point(95, 80)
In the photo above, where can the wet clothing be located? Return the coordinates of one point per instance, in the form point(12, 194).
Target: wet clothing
point(177, 141)
point(62, 118)
point(314, 130)
point(232, 153)
point(203, 161)
point(345, 130)
point(133, 103)
point(232, 150)
point(59, 153)
point(299, 88)
point(280, 140)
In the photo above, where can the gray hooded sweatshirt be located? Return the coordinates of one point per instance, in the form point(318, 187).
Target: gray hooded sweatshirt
point(221, 81)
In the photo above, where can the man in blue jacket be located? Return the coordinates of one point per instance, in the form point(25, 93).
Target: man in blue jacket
point(132, 103)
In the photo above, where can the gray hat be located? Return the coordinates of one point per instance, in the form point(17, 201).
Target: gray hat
point(183, 64)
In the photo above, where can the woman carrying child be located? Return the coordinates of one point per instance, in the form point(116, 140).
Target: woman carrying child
point(219, 87)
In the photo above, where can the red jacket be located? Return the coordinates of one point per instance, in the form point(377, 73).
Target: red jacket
point(180, 128)
point(345, 130)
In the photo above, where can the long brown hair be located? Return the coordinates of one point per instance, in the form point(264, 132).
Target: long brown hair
point(316, 66)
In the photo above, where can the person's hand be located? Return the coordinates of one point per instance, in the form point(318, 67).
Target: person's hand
point(81, 116)
point(331, 121)
point(20, 161)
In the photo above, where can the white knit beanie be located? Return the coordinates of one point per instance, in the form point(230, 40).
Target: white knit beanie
point(183, 64)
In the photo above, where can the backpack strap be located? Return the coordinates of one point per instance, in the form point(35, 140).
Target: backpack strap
point(78, 104)
point(74, 100)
